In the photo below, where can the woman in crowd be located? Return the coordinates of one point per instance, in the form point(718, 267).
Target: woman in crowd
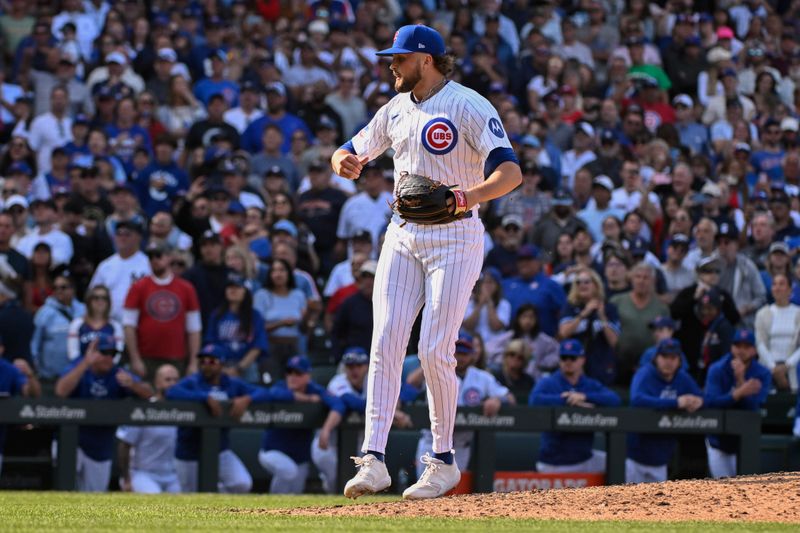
point(283, 307)
point(543, 348)
point(239, 328)
point(52, 321)
point(40, 285)
point(95, 322)
point(242, 262)
point(590, 319)
point(182, 108)
point(488, 313)
point(778, 335)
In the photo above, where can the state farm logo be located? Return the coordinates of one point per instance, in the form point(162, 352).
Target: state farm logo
point(439, 136)
point(474, 419)
point(44, 412)
point(257, 416)
point(151, 414)
point(687, 422)
point(586, 420)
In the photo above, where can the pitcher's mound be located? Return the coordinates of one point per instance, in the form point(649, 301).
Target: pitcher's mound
point(760, 498)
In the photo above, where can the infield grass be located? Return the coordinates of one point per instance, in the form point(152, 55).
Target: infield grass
point(59, 511)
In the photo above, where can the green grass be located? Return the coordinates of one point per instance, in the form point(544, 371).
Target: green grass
point(51, 511)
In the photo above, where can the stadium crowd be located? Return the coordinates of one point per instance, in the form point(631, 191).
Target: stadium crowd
point(168, 214)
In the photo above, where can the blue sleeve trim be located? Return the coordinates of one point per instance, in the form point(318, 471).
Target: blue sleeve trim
point(496, 158)
point(348, 146)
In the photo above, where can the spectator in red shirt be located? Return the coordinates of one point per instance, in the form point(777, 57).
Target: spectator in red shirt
point(162, 319)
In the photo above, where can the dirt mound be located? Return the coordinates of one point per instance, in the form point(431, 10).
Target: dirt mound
point(760, 498)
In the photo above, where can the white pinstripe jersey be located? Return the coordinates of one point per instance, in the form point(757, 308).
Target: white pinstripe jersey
point(447, 137)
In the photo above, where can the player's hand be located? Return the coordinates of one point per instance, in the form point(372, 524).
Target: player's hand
point(92, 354)
point(780, 376)
point(491, 406)
point(749, 388)
point(123, 378)
point(402, 420)
point(738, 370)
point(348, 165)
point(324, 439)
point(23, 366)
point(214, 406)
point(138, 368)
point(690, 402)
point(239, 405)
point(573, 397)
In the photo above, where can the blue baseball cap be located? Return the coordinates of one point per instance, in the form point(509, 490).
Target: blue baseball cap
point(212, 350)
point(285, 226)
point(236, 280)
point(669, 347)
point(355, 355)
point(262, 248)
point(663, 322)
point(300, 363)
point(105, 343)
point(528, 251)
point(570, 348)
point(415, 38)
point(744, 336)
point(236, 207)
point(20, 167)
point(464, 343)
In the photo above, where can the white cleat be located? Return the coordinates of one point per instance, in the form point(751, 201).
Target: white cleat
point(371, 477)
point(437, 479)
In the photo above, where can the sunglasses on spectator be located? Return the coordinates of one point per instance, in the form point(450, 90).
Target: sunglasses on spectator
point(108, 353)
point(569, 358)
point(208, 360)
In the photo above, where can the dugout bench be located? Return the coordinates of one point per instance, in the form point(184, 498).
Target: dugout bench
point(68, 415)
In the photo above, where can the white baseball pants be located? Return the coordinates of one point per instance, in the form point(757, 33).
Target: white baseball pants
point(154, 482)
point(92, 476)
point(720, 464)
point(639, 473)
point(434, 265)
point(594, 464)
point(288, 477)
point(233, 475)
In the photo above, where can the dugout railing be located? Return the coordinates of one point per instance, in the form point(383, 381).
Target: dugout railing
point(67, 415)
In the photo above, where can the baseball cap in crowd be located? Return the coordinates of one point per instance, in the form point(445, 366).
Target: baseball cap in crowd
point(20, 167)
point(131, 225)
point(724, 32)
point(355, 355)
point(669, 347)
point(635, 40)
point(220, 54)
point(251, 86)
point(603, 181)
point(528, 251)
point(586, 128)
point(116, 57)
point(692, 40)
point(167, 54)
point(370, 267)
point(531, 141)
point(235, 207)
point(779, 196)
point(209, 236)
point(741, 147)
point(728, 72)
point(790, 124)
point(212, 350)
point(106, 344)
point(234, 279)
point(711, 189)
point(275, 87)
point(570, 348)
point(608, 136)
point(708, 265)
point(562, 198)
point(683, 99)
point(285, 226)
point(662, 322)
point(274, 170)
point(319, 26)
point(679, 239)
point(261, 247)
point(638, 247)
point(464, 343)
point(779, 247)
point(728, 231)
point(415, 38)
point(15, 200)
point(744, 336)
point(39, 202)
point(361, 235)
point(512, 220)
point(300, 363)
point(712, 297)
point(155, 249)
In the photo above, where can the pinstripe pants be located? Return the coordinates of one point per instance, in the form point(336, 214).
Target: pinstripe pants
point(434, 265)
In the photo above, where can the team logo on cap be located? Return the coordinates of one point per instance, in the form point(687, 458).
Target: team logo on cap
point(472, 397)
point(496, 128)
point(439, 136)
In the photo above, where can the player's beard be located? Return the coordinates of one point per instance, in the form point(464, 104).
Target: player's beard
point(407, 83)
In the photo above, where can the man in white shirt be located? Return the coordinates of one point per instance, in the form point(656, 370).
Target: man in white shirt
point(51, 130)
point(86, 26)
point(46, 231)
point(630, 197)
point(368, 210)
point(248, 111)
point(122, 269)
point(582, 153)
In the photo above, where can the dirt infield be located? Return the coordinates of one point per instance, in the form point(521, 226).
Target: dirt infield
point(761, 498)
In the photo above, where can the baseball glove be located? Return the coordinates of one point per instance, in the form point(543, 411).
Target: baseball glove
point(424, 201)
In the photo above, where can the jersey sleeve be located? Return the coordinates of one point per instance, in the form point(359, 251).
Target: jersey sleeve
point(373, 139)
point(485, 132)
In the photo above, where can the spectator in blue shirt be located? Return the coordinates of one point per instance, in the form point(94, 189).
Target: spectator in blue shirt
point(277, 114)
point(286, 453)
point(160, 182)
point(533, 286)
point(568, 386)
point(217, 83)
point(211, 386)
point(95, 377)
point(16, 379)
point(663, 385)
point(737, 381)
